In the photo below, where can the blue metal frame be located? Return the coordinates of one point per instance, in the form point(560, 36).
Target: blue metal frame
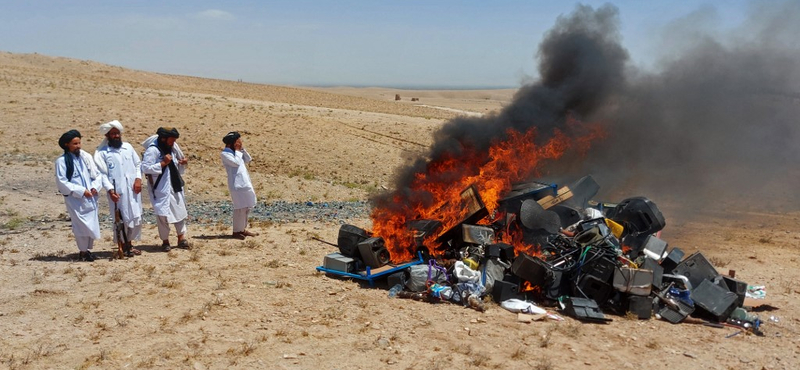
point(368, 275)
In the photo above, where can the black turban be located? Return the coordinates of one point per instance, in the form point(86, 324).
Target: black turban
point(67, 137)
point(168, 132)
point(231, 138)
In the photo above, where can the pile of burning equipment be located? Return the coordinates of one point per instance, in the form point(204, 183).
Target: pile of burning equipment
point(557, 247)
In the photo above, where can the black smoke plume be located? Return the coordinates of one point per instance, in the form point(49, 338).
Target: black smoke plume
point(717, 122)
point(581, 66)
point(716, 125)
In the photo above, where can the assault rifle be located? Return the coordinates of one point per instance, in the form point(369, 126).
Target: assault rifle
point(119, 231)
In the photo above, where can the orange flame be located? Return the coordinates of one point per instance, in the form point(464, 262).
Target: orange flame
point(528, 287)
point(435, 194)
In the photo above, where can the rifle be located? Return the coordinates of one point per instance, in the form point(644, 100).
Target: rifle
point(119, 231)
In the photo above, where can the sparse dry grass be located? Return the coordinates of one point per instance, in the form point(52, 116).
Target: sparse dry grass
point(718, 261)
point(543, 363)
point(519, 353)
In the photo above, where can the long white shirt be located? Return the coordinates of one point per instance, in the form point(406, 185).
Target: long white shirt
point(122, 167)
point(83, 211)
point(165, 201)
point(239, 185)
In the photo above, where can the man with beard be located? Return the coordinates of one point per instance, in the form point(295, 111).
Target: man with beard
point(78, 180)
point(120, 163)
point(234, 159)
point(161, 166)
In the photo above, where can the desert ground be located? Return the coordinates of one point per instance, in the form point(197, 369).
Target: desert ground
point(260, 303)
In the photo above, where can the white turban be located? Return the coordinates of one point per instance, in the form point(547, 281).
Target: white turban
point(106, 127)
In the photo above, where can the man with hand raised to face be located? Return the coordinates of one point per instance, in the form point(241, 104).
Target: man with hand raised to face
point(234, 159)
point(161, 166)
point(79, 181)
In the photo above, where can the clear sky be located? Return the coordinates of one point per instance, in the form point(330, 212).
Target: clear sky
point(428, 43)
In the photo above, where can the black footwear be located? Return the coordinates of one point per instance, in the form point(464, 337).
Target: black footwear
point(183, 243)
point(126, 250)
point(166, 247)
point(238, 235)
point(86, 256)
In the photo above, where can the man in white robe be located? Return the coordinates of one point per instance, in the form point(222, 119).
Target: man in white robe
point(119, 162)
point(160, 164)
point(78, 180)
point(234, 159)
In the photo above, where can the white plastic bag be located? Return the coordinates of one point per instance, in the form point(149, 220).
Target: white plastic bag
point(466, 274)
point(518, 305)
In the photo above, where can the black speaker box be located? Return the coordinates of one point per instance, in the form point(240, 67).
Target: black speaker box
point(696, 268)
point(373, 252)
point(602, 269)
point(532, 269)
point(504, 290)
point(714, 300)
point(349, 237)
point(594, 288)
point(640, 306)
point(555, 285)
point(639, 215)
point(584, 309)
point(500, 250)
point(738, 287)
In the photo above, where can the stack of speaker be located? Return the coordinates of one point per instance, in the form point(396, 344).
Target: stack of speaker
point(359, 244)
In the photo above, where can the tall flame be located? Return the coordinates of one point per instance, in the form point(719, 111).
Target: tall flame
point(435, 193)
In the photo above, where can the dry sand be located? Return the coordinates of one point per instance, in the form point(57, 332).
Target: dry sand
point(259, 303)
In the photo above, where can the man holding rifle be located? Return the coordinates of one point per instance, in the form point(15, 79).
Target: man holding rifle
point(119, 162)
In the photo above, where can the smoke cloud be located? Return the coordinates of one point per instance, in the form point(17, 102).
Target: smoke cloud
point(715, 124)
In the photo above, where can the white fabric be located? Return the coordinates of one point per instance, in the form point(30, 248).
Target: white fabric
point(165, 201)
point(122, 167)
point(239, 185)
point(177, 153)
point(105, 128)
point(240, 219)
point(163, 227)
point(83, 211)
point(85, 243)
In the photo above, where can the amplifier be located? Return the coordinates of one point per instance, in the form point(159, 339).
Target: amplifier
point(339, 262)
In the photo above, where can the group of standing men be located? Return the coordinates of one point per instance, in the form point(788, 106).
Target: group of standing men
point(117, 168)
